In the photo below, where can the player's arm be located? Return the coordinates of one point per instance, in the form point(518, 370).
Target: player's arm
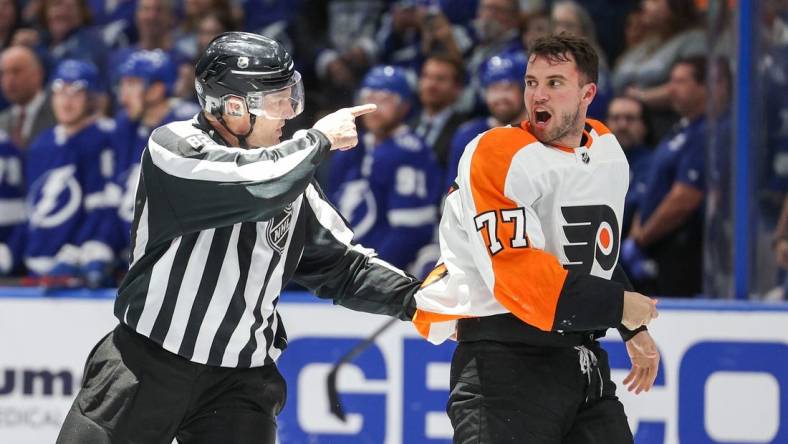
point(333, 268)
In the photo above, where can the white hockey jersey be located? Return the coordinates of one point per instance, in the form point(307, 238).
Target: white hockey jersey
point(523, 231)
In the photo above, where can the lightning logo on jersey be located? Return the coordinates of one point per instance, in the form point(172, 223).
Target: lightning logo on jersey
point(55, 197)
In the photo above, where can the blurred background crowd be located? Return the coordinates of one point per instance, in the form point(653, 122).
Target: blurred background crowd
point(84, 82)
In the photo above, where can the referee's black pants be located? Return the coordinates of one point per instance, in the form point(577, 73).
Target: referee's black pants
point(134, 391)
point(514, 392)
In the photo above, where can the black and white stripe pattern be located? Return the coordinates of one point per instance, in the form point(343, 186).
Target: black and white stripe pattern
point(218, 232)
point(210, 295)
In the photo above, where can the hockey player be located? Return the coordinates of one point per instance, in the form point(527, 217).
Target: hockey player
point(502, 83)
point(12, 206)
point(147, 79)
point(530, 240)
point(68, 167)
point(225, 216)
point(390, 189)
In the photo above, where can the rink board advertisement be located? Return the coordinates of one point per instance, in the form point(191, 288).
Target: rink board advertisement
point(723, 376)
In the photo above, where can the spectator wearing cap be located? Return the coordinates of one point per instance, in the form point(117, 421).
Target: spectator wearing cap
point(67, 169)
point(388, 188)
point(502, 81)
point(664, 246)
point(23, 85)
point(440, 85)
point(147, 80)
point(628, 120)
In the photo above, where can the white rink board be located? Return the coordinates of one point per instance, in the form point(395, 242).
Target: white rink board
point(724, 379)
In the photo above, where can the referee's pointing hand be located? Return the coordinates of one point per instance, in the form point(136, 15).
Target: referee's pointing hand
point(340, 126)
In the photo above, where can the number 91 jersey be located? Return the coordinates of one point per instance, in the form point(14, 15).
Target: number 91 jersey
point(522, 220)
point(389, 194)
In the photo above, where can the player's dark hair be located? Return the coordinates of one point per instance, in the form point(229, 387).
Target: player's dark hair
point(698, 65)
point(557, 48)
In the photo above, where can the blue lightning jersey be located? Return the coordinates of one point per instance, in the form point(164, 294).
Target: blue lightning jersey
point(462, 137)
point(71, 226)
point(390, 194)
point(12, 206)
point(679, 157)
point(131, 136)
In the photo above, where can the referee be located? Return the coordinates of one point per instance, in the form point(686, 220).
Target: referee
point(218, 231)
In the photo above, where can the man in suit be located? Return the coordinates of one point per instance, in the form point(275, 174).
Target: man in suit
point(440, 85)
point(22, 83)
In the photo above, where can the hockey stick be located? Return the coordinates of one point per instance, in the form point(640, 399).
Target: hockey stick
point(335, 404)
point(333, 396)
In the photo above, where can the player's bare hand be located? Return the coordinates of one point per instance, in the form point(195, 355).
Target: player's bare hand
point(645, 363)
point(340, 126)
point(638, 310)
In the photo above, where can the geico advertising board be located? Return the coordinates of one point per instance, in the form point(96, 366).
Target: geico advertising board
point(723, 376)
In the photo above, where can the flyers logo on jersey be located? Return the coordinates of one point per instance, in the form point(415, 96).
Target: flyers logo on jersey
point(593, 234)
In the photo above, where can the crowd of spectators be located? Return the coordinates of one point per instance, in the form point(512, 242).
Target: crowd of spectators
point(84, 82)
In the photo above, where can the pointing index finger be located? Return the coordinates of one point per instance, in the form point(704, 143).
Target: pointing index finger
point(360, 110)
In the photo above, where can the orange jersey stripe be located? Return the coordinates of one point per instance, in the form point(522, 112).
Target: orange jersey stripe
point(598, 126)
point(528, 281)
point(423, 319)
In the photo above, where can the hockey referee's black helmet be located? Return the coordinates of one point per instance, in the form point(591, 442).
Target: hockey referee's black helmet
point(250, 67)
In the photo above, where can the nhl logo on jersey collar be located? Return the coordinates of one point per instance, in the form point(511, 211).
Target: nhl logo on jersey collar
point(243, 62)
point(585, 157)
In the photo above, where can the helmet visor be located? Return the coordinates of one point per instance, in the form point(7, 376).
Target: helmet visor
point(69, 88)
point(283, 103)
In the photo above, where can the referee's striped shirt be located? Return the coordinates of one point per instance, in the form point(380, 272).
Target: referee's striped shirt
point(219, 231)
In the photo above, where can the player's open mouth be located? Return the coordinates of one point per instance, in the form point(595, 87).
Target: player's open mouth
point(542, 117)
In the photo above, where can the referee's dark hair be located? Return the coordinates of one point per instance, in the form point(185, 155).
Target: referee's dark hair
point(556, 48)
